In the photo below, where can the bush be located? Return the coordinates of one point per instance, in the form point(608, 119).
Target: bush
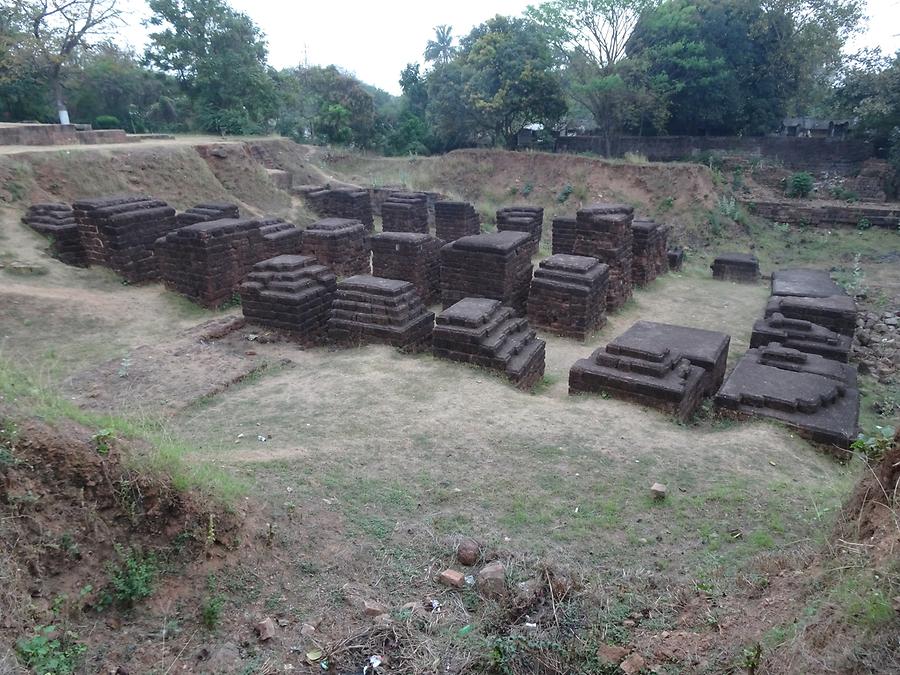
point(47, 652)
point(107, 122)
point(800, 184)
point(133, 578)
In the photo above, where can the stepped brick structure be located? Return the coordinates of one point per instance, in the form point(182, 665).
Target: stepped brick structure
point(346, 202)
point(603, 231)
point(568, 295)
point(806, 283)
point(291, 293)
point(563, 234)
point(412, 257)
point(836, 312)
point(528, 219)
point(665, 366)
point(453, 220)
point(676, 258)
point(649, 249)
point(405, 212)
point(496, 266)
point(369, 309)
point(208, 261)
point(339, 243)
point(803, 336)
point(119, 232)
point(207, 211)
point(810, 393)
point(57, 221)
point(485, 333)
point(740, 267)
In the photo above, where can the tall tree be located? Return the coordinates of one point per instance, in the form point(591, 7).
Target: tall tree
point(440, 49)
point(54, 32)
point(219, 58)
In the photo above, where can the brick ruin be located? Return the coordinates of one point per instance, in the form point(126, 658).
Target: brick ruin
point(369, 309)
point(289, 292)
point(453, 220)
point(485, 333)
point(649, 249)
point(409, 256)
point(740, 267)
point(57, 222)
point(208, 261)
point(603, 231)
point(562, 231)
point(496, 266)
point(817, 396)
point(568, 295)
point(676, 258)
point(202, 213)
point(661, 365)
point(836, 312)
point(528, 219)
point(119, 232)
point(405, 212)
point(802, 335)
point(348, 202)
point(339, 243)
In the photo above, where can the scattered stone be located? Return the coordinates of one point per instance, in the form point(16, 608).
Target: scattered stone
point(491, 580)
point(452, 578)
point(633, 664)
point(658, 490)
point(373, 608)
point(612, 654)
point(468, 552)
point(265, 629)
point(383, 620)
point(307, 629)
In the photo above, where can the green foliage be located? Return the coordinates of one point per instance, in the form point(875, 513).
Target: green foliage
point(102, 441)
point(107, 122)
point(564, 194)
point(131, 579)
point(863, 224)
point(211, 612)
point(875, 446)
point(48, 652)
point(799, 184)
point(843, 194)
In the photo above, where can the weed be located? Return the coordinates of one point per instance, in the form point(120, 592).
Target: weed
point(875, 446)
point(665, 205)
point(863, 224)
point(132, 579)
point(844, 195)
point(102, 441)
point(751, 657)
point(211, 612)
point(527, 189)
point(563, 196)
point(635, 158)
point(799, 184)
point(49, 653)
point(728, 206)
point(737, 179)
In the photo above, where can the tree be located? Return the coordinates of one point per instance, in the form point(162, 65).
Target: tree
point(218, 57)
point(509, 78)
point(55, 31)
point(440, 49)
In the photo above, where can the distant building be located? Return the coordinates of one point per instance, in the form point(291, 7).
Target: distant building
point(811, 127)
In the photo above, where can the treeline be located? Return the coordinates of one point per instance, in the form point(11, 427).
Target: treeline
point(729, 67)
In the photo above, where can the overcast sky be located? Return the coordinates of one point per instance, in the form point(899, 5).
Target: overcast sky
point(375, 40)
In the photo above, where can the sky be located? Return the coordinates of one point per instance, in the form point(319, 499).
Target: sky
point(375, 40)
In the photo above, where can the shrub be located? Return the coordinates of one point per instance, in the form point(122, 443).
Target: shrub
point(863, 224)
point(133, 578)
point(800, 184)
point(47, 653)
point(565, 194)
point(107, 122)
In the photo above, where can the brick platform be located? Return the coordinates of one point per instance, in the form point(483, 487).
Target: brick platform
point(675, 257)
point(801, 335)
point(661, 365)
point(290, 292)
point(650, 242)
point(208, 261)
point(453, 220)
point(369, 309)
point(836, 312)
point(563, 234)
point(485, 333)
point(807, 283)
point(496, 266)
point(410, 257)
point(57, 222)
point(814, 395)
point(203, 213)
point(568, 295)
point(119, 232)
point(740, 267)
point(405, 212)
point(529, 219)
point(603, 231)
point(348, 202)
point(339, 243)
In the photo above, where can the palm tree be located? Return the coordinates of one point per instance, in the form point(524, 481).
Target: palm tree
point(440, 49)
